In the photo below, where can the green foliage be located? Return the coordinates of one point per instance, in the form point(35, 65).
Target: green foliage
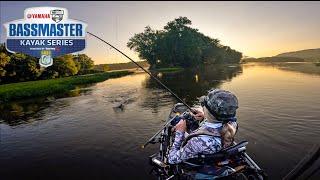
point(180, 45)
point(120, 66)
point(172, 69)
point(83, 63)
point(52, 86)
point(4, 60)
point(105, 67)
point(21, 67)
point(144, 43)
point(65, 66)
point(17, 67)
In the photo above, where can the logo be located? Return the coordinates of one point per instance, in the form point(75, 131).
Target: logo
point(45, 59)
point(57, 15)
point(45, 32)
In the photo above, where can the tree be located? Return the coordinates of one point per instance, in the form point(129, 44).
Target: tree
point(4, 60)
point(105, 67)
point(180, 45)
point(21, 68)
point(15, 67)
point(144, 43)
point(178, 24)
point(83, 63)
point(62, 66)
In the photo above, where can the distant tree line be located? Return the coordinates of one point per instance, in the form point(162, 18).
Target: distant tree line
point(120, 66)
point(180, 45)
point(312, 55)
point(273, 59)
point(16, 67)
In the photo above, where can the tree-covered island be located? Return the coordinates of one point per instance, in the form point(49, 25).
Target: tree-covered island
point(179, 45)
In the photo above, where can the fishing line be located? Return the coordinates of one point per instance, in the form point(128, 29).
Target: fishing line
point(152, 76)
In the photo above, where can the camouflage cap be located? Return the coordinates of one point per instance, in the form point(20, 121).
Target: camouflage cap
point(221, 104)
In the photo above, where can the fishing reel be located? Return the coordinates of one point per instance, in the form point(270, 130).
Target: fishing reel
point(192, 123)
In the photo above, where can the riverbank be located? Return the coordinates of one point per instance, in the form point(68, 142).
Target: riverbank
point(52, 86)
point(170, 69)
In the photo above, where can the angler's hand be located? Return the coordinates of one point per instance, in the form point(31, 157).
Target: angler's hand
point(198, 114)
point(181, 126)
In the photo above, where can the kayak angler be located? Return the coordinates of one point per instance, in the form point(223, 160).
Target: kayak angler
point(159, 161)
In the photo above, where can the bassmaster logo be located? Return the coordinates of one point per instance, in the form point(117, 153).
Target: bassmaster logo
point(45, 32)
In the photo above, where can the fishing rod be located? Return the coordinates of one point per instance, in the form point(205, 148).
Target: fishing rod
point(152, 76)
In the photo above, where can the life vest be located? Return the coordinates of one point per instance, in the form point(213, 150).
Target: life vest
point(214, 170)
point(202, 131)
point(214, 132)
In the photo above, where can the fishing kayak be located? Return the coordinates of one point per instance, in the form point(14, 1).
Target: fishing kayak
point(234, 157)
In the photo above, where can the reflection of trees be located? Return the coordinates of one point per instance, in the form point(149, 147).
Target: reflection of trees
point(189, 84)
point(155, 98)
point(14, 113)
point(24, 111)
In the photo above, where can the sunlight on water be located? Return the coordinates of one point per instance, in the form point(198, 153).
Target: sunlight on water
point(196, 78)
point(99, 132)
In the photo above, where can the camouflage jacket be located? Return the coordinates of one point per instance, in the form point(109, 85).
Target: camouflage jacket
point(200, 144)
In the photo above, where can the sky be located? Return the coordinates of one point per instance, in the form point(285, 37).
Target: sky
point(257, 29)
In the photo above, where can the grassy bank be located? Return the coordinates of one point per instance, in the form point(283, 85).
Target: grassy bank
point(170, 69)
point(52, 86)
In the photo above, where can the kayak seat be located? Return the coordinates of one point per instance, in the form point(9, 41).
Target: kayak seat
point(222, 155)
point(219, 164)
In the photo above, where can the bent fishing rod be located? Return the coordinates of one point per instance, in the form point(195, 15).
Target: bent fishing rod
point(153, 77)
point(291, 175)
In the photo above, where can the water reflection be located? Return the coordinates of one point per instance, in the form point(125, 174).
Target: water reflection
point(196, 78)
point(28, 110)
point(302, 67)
point(120, 100)
point(192, 83)
point(85, 138)
point(188, 84)
point(18, 112)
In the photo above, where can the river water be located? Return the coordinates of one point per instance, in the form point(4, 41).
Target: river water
point(80, 135)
